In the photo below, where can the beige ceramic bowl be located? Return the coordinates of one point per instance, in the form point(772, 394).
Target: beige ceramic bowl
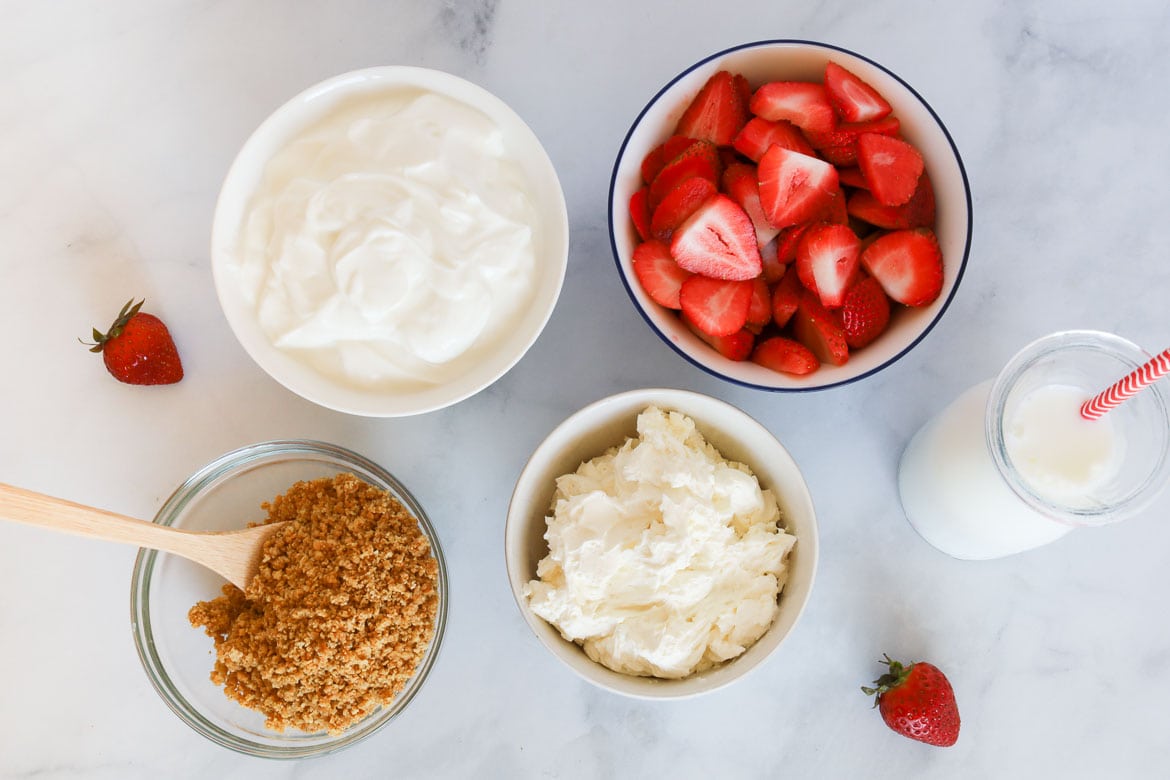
point(761, 62)
point(606, 423)
point(550, 236)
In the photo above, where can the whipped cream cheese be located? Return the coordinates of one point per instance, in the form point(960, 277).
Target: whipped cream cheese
point(391, 245)
point(664, 557)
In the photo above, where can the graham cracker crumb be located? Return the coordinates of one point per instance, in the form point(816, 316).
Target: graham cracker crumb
point(339, 615)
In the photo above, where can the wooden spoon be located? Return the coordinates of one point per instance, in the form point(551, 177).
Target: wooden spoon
point(234, 555)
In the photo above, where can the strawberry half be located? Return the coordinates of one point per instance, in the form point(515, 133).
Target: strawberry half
point(917, 701)
point(699, 158)
point(804, 104)
point(737, 346)
point(786, 356)
point(717, 113)
point(907, 264)
point(919, 211)
point(717, 307)
point(827, 261)
point(816, 328)
point(658, 274)
point(853, 99)
point(795, 187)
point(759, 135)
point(786, 297)
point(718, 240)
point(640, 213)
point(760, 309)
point(679, 204)
point(787, 240)
point(652, 163)
point(865, 312)
point(891, 166)
point(741, 183)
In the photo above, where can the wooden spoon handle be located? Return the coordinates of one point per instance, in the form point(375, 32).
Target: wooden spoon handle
point(25, 506)
point(232, 554)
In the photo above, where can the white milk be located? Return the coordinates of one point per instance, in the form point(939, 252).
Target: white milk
point(955, 496)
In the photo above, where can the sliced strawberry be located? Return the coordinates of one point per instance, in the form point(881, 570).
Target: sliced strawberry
point(737, 346)
point(891, 166)
point(827, 262)
point(760, 310)
point(674, 146)
point(836, 211)
point(744, 89)
point(758, 135)
point(786, 297)
point(717, 113)
point(794, 187)
point(741, 183)
point(719, 241)
point(804, 104)
point(852, 177)
point(865, 312)
point(640, 213)
point(847, 133)
point(786, 356)
point(658, 274)
point(717, 307)
point(817, 328)
point(773, 265)
point(652, 163)
point(853, 99)
point(679, 204)
point(700, 158)
point(841, 156)
point(916, 212)
point(907, 264)
point(788, 240)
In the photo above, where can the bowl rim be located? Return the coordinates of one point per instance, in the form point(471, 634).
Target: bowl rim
point(142, 575)
point(319, 388)
point(687, 687)
point(805, 388)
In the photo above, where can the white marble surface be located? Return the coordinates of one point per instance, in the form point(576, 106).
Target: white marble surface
point(117, 123)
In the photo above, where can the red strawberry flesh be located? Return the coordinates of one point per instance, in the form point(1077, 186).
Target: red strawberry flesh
point(717, 113)
point(907, 264)
point(717, 307)
point(795, 187)
point(853, 99)
point(658, 273)
point(718, 240)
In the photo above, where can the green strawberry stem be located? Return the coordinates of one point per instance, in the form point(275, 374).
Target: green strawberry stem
point(99, 339)
point(896, 675)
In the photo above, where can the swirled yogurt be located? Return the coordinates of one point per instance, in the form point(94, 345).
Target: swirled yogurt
point(664, 557)
point(390, 245)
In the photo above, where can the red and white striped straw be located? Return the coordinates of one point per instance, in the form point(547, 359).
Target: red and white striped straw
point(1126, 387)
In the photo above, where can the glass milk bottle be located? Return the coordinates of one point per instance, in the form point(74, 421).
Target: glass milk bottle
point(1010, 465)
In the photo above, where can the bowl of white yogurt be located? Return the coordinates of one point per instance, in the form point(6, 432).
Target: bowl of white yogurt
point(661, 543)
point(390, 241)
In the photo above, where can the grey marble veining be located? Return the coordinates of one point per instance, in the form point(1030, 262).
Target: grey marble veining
point(117, 124)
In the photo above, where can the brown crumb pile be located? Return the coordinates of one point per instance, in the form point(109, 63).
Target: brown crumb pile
point(339, 615)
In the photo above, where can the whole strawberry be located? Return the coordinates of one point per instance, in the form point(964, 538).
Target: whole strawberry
point(917, 702)
point(138, 349)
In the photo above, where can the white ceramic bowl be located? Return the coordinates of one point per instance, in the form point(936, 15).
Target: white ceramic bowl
point(551, 237)
point(607, 423)
point(761, 62)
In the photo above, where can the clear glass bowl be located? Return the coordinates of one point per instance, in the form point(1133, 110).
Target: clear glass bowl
point(178, 658)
